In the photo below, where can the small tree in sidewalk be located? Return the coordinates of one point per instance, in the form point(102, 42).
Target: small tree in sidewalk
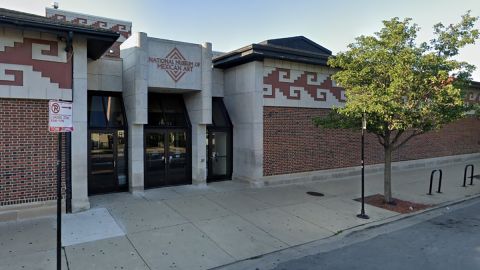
point(405, 88)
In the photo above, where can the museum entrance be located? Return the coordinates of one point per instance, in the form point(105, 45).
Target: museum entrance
point(167, 142)
point(107, 144)
point(166, 158)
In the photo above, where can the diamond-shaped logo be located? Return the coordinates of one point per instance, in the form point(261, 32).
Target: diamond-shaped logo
point(174, 64)
point(175, 55)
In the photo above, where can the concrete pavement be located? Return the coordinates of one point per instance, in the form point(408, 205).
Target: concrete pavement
point(189, 227)
point(449, 241)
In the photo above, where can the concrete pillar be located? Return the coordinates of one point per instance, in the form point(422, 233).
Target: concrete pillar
point(207, 85)
point(135, 93)
point(199, 155)
point(80, 133)
point(244, 102)
point(199, 106)
point(135, 158)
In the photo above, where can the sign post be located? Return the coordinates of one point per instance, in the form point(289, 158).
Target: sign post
point(59, 121)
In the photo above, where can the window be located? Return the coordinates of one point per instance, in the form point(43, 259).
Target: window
point(166, 110)
point(220, 117)
point(105, 112)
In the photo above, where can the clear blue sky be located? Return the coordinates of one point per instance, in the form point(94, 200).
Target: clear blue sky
point(232, 24)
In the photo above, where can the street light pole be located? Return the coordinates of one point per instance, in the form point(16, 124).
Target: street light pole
point(364, 127)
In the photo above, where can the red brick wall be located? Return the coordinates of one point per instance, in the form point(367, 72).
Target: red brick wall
point(27, 152)
point(292, 143)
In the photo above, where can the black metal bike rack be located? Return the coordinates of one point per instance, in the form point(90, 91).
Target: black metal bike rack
point(465, 175)
point(439, 182)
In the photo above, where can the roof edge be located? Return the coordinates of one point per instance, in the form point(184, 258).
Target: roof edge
point(98, 40)
point(258, 52)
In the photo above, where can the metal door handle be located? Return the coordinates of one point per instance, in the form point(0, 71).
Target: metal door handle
point(114, 164)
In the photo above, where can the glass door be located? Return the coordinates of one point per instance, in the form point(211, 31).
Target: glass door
point(219, 143)
point(107, 162)
point(219, 157)
point(177, 163)
point(155, 160)
point(166, 158)
point(107, 143)
point(102, 163)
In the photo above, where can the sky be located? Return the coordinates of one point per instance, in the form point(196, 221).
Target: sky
point(230, 24)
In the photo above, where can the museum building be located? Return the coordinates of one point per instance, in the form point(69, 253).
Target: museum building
point(151, 112)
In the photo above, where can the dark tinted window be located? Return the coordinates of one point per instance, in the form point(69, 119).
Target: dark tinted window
point(105, 111)
point(219, 114)
point(155, 112)
point(166, 110)
point(113, 111)
point(96, 112)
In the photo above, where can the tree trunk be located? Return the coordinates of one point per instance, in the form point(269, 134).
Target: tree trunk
point(387, 175)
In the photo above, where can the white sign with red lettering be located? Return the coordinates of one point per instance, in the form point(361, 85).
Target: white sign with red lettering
point(60, 116)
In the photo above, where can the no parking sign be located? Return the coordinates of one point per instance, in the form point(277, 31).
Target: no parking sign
point(59, 121)
point(60, 116)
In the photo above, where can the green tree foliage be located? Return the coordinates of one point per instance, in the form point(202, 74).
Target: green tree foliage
point(404, 87)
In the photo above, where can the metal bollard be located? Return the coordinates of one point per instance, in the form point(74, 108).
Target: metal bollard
point(439, 182)
point(431, 182)
point(465, 175)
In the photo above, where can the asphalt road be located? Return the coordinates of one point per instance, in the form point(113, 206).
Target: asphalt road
point(450, 241)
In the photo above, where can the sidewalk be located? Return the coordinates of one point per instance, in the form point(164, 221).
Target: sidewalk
point(188, 227)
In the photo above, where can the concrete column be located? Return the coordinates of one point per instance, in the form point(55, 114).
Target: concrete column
point(199, 106)
point(135, 93)
point(80, 133)
point(207, 85)
point(199, 154)
point(135, 158)
point(194, 102)
point(244, 102)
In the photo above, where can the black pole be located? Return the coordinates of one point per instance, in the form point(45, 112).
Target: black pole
point(431, 183)
point(68, 172)
point(59, 202)
point(440, 181)
point(471, 176)
point(465, 175)
point(362, 212)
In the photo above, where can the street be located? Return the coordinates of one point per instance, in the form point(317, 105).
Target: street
point(449, 241)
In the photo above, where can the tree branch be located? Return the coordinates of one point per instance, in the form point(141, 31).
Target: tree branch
point(397, 136)
point(415, 133)
point(380, 138)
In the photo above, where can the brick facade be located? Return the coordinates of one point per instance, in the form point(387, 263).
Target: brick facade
point(293, 144)
point(27, 152)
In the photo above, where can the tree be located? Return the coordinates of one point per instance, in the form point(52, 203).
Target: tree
point(405, 88)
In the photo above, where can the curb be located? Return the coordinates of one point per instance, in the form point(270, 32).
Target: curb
point(297, 252)
point(389, 220)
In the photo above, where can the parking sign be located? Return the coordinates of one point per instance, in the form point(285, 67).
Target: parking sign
point(60, 116)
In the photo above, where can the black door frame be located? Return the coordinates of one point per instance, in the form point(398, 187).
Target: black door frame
point(228, 176)
point(227, 127)
point(117, 187)
point(166, 131)
point(113, 130)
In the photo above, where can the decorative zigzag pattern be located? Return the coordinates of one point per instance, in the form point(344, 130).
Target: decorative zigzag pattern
point(43, 56)
point(292, 85)
point(123, 28)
